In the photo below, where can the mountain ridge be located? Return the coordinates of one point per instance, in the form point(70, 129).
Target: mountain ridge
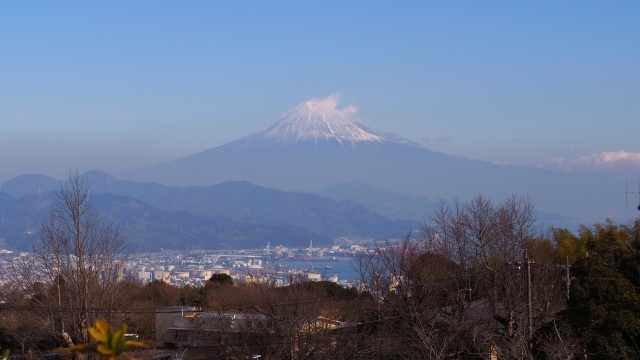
point(243, 202)
point(149, 228)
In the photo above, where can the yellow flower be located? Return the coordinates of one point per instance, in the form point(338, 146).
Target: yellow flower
point(110, 344)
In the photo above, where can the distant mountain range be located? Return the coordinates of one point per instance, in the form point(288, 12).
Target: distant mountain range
point(228, 215)
point(314, 174)
point(149, 228)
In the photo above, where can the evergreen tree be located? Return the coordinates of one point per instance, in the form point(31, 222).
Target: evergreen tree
point(604, 307)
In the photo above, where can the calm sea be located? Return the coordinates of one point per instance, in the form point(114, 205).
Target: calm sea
point(343, 268)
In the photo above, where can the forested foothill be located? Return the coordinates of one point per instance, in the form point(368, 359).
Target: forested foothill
point(481, 280)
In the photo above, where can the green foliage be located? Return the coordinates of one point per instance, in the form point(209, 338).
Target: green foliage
point(604, 306)
point(568, 245)
point(192, 295)
point(222, 279)
point(4, 355)
point(161, 294)
point(332, 290)
point(326, 289)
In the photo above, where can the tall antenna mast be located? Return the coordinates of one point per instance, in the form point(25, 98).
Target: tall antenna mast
point(632, 192)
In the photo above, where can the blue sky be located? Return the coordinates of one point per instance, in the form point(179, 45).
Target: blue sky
point(123, 84)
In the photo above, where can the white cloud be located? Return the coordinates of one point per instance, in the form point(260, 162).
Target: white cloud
point(330, 104)
point(610, 158)
point(601, 161)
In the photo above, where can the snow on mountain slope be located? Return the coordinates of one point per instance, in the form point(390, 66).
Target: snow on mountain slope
point(320, 120)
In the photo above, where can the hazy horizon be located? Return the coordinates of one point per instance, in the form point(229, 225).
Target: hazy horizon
point(115, 86)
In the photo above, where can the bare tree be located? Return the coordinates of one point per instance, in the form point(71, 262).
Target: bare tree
point(489, 241)
point(421, 302)
point(16, 326)
point(290, 310)
point(555, 342)
point(78, 260)
point(464, 288)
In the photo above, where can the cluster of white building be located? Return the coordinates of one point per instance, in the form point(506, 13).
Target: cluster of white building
point(189, 270)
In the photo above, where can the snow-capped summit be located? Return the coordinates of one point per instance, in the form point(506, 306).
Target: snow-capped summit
point(319, 120)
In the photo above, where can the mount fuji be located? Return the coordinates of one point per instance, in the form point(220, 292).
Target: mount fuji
point(317, 144)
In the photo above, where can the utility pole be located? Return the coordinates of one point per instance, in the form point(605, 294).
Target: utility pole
point(627, 192)
point(529, 307)
point(568, 277)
